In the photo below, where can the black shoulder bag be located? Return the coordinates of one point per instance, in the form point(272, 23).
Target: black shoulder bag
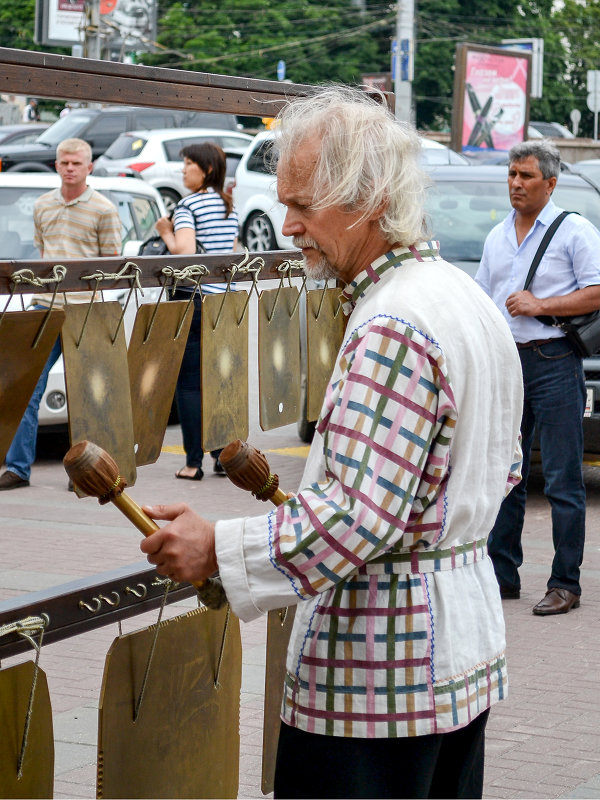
point(155, 245)
point(582, 331)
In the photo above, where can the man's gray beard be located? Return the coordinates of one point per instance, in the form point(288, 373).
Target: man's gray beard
point(321, 271)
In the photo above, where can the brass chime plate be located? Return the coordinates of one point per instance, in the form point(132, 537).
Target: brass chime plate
point(185, 741)
point(37, 779)
point(21, 364)
point(325, 325)
point(279, 627)
point(224, 369)
point(154, 357)
point(278, 357)
point(97, 380)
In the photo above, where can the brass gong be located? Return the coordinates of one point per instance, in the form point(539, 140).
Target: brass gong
point(224, 369)
point(154, 357)
point(185, 741)
point(21, 363)
point(325, 324)
point(278, 357)
point(97, 381)
point(279, 627)
point(37, 778)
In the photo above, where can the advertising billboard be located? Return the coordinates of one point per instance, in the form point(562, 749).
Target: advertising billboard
point(491, 98)
point(126, 24)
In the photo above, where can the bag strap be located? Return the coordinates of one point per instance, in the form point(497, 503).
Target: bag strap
point(543, 246)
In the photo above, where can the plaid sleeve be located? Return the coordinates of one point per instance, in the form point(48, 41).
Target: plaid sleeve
point(387, 424)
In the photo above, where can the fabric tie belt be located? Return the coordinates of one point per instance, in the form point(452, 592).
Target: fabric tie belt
point(427, 560)
point(535, 343)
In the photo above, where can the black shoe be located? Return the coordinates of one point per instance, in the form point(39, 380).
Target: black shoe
point(10, 480)
point(218, 468)
point(509, 593)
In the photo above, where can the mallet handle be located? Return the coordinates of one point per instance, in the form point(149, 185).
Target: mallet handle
point(134, 514)
point(279, 497)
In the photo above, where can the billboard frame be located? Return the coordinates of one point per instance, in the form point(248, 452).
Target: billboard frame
point(463, 51)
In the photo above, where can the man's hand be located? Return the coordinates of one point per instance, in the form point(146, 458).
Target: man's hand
point(184, 550)
point(523, 304)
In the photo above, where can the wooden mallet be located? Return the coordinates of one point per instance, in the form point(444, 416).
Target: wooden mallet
point(248, 469)
point(96, 473)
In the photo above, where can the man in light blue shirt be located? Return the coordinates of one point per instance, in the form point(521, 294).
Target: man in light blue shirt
point(566, 283)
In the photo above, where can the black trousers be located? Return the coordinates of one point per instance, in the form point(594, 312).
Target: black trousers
point(442, 765)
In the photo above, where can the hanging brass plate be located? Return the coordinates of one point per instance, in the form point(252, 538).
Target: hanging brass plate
point(325, 325)
point(21, 364)
point(185, 741)
point(97, 381)
point(37, 779)
point(279, 627)
point(278, 357)
point(224, 369)
point(154, 356)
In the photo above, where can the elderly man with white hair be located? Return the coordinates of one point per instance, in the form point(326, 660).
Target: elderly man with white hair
point(397, 651)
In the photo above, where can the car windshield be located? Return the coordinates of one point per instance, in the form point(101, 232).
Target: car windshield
point(65, 128)
point(126, 147)
point(16, 222)
point(462, 213)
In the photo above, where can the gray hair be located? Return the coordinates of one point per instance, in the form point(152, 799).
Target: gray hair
point(367, 160)
point(546, 152)
point(74, 146)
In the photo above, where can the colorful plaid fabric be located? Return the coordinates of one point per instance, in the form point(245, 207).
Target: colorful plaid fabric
point(398, 628)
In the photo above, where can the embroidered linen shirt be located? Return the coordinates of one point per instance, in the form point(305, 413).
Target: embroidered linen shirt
point(399, 628)
point(571, 262)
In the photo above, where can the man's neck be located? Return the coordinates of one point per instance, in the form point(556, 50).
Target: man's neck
point(525, 222)
point(71, 193)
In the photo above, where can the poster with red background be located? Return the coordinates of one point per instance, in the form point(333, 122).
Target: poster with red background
point(495, 100)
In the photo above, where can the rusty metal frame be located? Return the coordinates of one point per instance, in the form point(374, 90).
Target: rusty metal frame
point(55, 76)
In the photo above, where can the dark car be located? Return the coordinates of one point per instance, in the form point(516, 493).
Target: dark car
point(100, 127)
point(22, 133)
point(463, 205)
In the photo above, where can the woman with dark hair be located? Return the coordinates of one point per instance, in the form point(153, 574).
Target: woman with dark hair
point(206, 215)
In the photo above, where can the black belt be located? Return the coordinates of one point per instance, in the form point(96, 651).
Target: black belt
point(535, 343)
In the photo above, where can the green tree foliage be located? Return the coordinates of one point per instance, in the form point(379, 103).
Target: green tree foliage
point(577, 26)
point(16, 24)
point(335, 40)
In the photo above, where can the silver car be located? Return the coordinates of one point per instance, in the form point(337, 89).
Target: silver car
point(155, 157)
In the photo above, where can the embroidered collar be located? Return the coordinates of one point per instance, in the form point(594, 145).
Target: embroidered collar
point(353, 291)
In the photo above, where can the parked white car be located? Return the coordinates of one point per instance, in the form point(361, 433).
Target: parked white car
point(139, 206)
point(255, 192)
point(155, 157)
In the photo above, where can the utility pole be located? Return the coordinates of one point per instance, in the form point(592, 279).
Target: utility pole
point(405, 12)
point(92, 47)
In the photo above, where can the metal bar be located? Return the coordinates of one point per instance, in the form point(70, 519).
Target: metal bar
point(50, 75)
point(218, 266)
point(69, 617)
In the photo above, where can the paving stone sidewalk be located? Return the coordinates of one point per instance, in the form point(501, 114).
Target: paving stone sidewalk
point(543, 741)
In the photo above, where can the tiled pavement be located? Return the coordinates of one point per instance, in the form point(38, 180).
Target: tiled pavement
point(544, 741)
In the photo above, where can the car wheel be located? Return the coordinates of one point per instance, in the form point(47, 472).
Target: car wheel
point(259, 234)
point(170, 198)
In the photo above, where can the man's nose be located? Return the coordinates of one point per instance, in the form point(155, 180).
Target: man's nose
point(292, 226)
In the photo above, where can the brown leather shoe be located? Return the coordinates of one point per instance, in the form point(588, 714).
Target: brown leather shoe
point(556, 601)
point(10, 480)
